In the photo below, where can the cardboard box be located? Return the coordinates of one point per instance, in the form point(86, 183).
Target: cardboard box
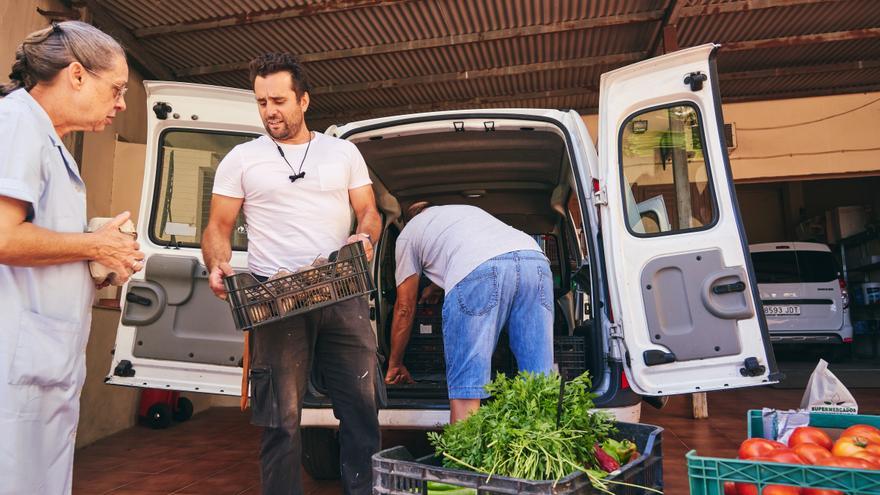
point(845, 221)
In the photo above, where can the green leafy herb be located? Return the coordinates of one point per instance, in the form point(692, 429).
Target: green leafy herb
point(516, 435)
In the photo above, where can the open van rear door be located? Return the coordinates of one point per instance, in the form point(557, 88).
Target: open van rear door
point(174, 334)
point(686, 312)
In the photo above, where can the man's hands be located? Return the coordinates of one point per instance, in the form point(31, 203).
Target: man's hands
point(368, 245)
point(397, 374)
point(118, 251)
point(215, 279)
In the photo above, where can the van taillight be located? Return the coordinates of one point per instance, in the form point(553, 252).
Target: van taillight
point(844, 294)
point(624, 383)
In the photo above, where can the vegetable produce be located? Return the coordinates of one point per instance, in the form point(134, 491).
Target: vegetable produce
point(435, 488)
point(868, 432)
point(811, 452)
point(729, 488)
point(810, 434)
point(516, 433)
point(848, 462)
point(757, 447)
point(606, 462)
point(847, 446)
point(623, 451)
point(857, 448)
point(785, 456)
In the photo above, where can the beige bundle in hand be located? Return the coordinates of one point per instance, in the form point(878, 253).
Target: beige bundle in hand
point(101, 273)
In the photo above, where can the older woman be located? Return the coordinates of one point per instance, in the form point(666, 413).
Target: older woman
point(65, 78)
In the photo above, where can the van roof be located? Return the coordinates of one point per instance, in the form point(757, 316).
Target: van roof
point(795, 246)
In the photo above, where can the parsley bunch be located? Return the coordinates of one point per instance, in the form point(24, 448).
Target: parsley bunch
point(516, 433)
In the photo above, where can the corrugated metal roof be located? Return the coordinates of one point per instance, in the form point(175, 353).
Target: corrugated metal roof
point(387, 43)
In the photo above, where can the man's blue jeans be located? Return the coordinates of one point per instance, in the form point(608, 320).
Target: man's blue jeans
point(514, 289)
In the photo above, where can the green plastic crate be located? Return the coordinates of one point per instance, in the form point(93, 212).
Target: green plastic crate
point(708, 474)
point(819, 420)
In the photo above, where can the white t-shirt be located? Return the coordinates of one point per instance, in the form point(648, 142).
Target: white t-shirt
point(448, 242)
point(290, 224)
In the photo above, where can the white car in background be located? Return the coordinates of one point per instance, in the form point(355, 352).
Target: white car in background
point(804, 296)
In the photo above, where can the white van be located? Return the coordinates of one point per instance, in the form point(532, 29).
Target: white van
point(651, 267)
point(804, 295)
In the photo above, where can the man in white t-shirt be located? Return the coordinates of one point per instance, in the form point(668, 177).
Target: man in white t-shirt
point(494, 276)
point(297, 189)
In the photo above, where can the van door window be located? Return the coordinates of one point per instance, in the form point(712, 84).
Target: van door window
point(187, 163)
point(667, 187)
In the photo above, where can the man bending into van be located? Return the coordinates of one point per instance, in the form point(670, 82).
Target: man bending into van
point(493, 275)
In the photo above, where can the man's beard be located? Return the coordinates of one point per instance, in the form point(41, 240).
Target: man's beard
point(282, 133)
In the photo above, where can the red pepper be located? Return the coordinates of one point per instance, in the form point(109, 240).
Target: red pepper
point(606, 461)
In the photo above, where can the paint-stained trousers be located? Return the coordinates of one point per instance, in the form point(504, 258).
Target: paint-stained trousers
point(339, 341)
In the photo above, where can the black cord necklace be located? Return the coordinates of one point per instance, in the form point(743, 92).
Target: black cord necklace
point(299, 173)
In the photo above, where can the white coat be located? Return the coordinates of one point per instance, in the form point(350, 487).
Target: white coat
point(45, 312)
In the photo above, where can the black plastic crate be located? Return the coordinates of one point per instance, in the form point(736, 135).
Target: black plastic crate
point(570, 355)
point(425, 354)
point(256, 303)
point(396, 472)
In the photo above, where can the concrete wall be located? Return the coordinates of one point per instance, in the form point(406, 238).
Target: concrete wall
point(801, 137)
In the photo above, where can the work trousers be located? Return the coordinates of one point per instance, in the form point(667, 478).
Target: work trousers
point(339, 341)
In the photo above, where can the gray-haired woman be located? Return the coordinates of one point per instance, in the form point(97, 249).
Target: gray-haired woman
point(65, 78)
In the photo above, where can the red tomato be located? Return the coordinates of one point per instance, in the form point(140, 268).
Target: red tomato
point(781, 490)
point(729, 488)
point(847, 446)
point(870, 433)
point(873, 448)
point(873, 458)
point(848, 462)
point(809, 434)
point(757, 447)
point(820, 491)
point(785, 456)
point(746, 489)
point(811, 452)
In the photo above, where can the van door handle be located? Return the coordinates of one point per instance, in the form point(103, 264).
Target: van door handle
point(723, 307)
point(728, 288)
point(136, 299)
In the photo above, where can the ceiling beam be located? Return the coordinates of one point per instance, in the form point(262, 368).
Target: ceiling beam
point(800, 70)
point(309, 9)
point(744, 6)
point(151, 64)
point(511, 70)
point(476, 102)
point(803, 93)
point(855, 34)
point(440, 41)
point(665, 38)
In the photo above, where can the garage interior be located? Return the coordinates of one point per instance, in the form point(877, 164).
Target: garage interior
point(800, 85)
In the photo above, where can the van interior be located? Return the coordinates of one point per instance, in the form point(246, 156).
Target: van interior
point(521, 173)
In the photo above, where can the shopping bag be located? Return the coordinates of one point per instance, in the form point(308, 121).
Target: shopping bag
point(825, 393)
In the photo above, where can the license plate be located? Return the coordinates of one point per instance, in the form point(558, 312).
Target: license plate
point(788, 310)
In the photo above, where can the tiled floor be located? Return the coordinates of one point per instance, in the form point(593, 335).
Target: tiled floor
point(216, 451)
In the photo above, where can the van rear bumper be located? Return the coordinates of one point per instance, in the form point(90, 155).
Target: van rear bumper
point(806, 339)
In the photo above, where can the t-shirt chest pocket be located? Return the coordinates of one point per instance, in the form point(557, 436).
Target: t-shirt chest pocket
point(334, 175)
